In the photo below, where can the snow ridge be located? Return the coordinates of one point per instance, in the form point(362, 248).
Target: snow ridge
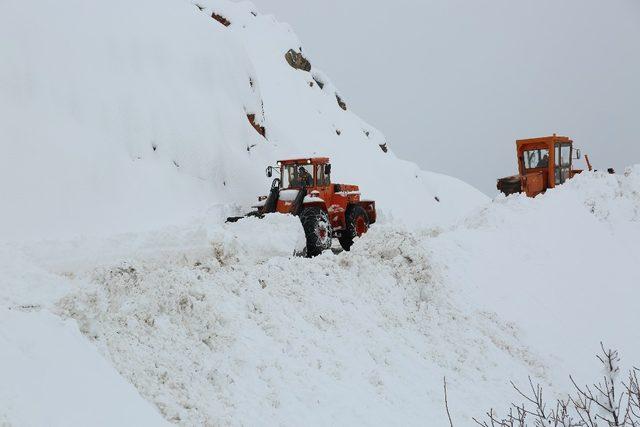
point(226, 339)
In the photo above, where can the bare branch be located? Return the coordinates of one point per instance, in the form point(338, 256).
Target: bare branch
point(446, 401)
point(610, 401)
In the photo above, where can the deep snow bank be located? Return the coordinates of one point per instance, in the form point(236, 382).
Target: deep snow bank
point(220, 324)
point(562, 266)
point(51, 374)
point(237, 337)
point(516, 289)
point(128, 115)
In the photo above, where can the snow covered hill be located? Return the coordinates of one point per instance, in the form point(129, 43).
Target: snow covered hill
point(126, 115)
point(125, 140)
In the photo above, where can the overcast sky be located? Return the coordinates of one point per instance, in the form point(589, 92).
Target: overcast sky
point(454, 83)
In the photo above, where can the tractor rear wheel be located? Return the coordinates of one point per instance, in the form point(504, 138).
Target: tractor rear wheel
point(317, 230)
point(510, 185)
point(357, 222)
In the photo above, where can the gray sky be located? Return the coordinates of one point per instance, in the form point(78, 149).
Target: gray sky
point(454, 83)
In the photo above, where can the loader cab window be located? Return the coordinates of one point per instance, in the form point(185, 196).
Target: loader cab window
point(563, 162)
point(536, 159)
point(322, 177)
point(297, 176)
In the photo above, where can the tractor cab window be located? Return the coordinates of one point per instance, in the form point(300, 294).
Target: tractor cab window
point(297, 176)
point(563, 162)
point(536, 159)
point(322, 177)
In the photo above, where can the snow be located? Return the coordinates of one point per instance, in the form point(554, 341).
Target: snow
point(572, 282)
point(112, 123)
point(51, 375)
point(125, 298)
point(232, 330)
point(312, 199)
point(228, 327)
point(288, 195)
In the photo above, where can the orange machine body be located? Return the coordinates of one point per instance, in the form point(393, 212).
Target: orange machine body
point(335, 199)
point(543, 163)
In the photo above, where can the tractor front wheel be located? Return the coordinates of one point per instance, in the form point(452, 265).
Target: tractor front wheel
point(357, 222)
point(317, 230)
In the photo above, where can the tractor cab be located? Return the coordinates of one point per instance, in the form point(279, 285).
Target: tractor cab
point(542, 163)
point(301, 181)
point(545, 162)
point(302, 173)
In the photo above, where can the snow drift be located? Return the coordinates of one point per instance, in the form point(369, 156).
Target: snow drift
point(563, 266)
point(219, 324)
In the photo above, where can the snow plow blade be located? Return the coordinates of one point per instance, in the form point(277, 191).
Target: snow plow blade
point(237, 218)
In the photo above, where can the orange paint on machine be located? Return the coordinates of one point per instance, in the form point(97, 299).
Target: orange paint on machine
point(303, 187)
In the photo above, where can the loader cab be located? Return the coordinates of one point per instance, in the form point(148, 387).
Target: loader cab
point(307, 173)
point(545, 162)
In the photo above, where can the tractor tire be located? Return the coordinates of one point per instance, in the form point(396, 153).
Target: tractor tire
point(510, 185)
point(357, 224)
point(317, 230)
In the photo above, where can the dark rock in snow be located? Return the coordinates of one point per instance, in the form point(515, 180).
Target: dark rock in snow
point(297, 61)
point(221, 19)
point(260, 129)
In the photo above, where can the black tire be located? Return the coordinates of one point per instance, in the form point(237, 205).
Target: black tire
point(509, 185)
point(354, 215)
point(317, 230)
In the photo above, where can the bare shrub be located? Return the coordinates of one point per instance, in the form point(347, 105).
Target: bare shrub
point(607, 403)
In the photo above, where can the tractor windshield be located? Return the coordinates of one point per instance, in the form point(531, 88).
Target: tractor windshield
point(536, 159)
point(297, 176)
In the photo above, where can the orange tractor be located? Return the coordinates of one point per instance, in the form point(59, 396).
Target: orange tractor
point(542, 163)
point(303, 187)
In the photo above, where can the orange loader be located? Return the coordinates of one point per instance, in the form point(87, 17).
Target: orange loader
point(303, 187)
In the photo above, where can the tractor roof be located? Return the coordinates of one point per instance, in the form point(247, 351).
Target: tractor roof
point(310, 160)
point(544, 141)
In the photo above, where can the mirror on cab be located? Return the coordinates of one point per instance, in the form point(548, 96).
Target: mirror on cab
point(269, 171)
point(577, 153)
point(327, 169)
